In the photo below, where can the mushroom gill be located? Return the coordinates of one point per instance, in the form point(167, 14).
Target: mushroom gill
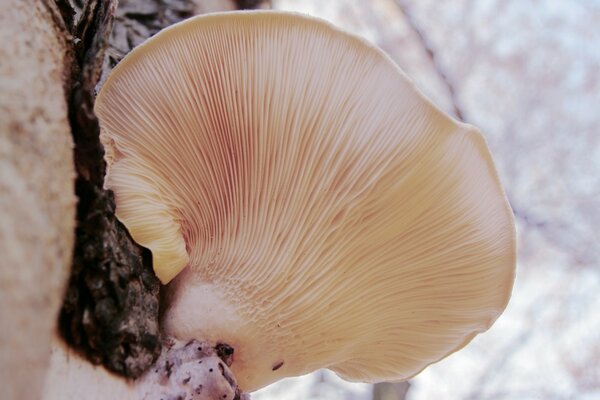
point(307, 204)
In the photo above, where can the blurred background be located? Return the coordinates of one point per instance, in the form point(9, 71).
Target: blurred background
point(527, 73)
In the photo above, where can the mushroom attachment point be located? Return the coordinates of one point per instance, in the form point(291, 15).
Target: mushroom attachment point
point(302, 199)
point(193, 371)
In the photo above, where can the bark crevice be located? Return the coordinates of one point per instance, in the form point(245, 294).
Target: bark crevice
point(110, 311)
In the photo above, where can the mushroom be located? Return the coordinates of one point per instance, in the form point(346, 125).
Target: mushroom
point(303, 201)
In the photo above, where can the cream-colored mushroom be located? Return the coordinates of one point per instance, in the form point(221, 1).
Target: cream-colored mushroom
point(307, 204)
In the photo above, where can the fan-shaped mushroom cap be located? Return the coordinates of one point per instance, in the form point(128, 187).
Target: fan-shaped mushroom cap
point(326, 213)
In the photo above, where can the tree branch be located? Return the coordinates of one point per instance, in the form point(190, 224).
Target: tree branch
point(456, 109)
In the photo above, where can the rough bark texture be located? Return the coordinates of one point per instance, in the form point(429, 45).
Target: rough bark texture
point(37, 204)
point(111, 308)
point(136, 21)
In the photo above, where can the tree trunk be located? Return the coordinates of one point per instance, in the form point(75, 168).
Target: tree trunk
point(37, 203)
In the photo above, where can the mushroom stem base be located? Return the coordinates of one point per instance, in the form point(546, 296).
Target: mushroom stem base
point(190, 370)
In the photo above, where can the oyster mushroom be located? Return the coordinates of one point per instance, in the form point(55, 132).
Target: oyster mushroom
point(303, 201)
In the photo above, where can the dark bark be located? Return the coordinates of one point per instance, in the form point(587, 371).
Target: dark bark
point(136, 21)
point(110, 312)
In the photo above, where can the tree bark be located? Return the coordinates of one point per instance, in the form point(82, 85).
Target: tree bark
point(111, 307)
point(37, 203)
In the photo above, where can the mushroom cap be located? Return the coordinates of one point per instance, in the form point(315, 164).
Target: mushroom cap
point(320, 212)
